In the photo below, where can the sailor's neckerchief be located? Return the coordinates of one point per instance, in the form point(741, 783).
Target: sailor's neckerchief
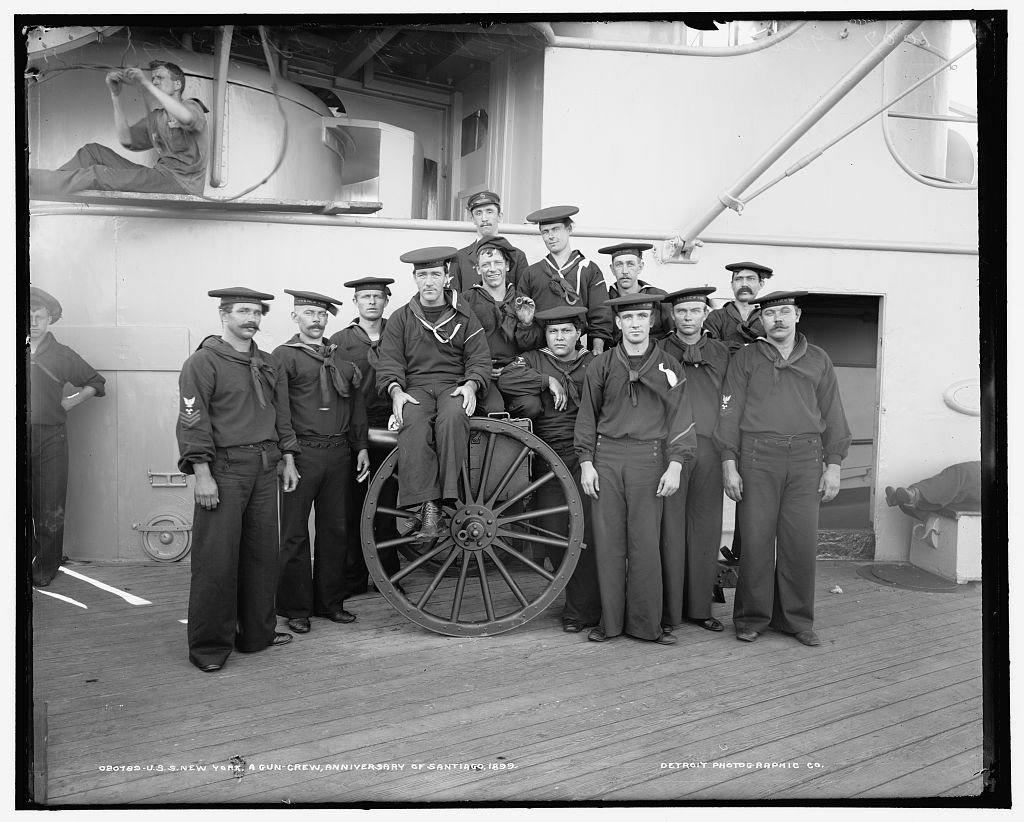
point(794, 362)
point(693, 353)
point(446, 317)
point(504, 312)
point(565, 369)
point(557, 280)
point(642, 288)
point(47, 342)
point(642, 374)
point(364, 337)
point(330, 374)
point(747, 327)
point(259, 369)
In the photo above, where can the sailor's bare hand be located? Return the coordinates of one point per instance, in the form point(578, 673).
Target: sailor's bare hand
point(114, 79)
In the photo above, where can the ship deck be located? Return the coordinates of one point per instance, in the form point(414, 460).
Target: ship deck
point(382, 711)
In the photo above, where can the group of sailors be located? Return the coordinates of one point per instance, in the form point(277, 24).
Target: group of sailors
point(656, 403)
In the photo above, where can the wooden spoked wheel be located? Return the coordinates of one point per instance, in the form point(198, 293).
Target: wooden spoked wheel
point(486, 573)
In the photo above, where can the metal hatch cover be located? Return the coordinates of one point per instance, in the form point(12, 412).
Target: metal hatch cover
point(908, 577)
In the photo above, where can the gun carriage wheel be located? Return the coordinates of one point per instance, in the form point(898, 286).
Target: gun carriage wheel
point(486, 574)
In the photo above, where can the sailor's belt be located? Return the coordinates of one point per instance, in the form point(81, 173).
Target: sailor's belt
point(257, 446)
point(331, 441)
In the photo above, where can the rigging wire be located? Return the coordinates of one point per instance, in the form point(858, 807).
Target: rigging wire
point(814, 155)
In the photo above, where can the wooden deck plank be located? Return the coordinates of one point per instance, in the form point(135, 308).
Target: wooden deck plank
point(145, 710)
point(532, 696)
point(960, 772)
point(487, 739)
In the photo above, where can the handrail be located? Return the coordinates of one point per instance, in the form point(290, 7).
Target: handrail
point(63, 209)
point(560, 41)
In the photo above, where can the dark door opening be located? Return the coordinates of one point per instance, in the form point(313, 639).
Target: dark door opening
point(846, 326)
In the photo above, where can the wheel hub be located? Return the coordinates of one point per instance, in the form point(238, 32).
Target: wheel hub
point(474, 527)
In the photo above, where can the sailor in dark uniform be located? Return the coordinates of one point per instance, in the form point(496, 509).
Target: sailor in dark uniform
point(329, 419)
point(781, 418)
point(355, 343)
point(738, 323)
point(634, 433)
point(566, 277)
point(693, 517)
point(233, 427)
point(433, 362)
point(51, 366)
point(627, 265)
point(546, 386)
point(505, 314)
point(485, 209)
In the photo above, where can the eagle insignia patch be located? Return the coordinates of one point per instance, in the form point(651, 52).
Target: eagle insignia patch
point(189, 415)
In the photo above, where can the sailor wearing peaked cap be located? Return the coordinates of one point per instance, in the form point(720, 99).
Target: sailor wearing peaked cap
point(566, 277)
point(692, 524)
point(485, 210)
point(314, 299)
point(233, 428)
point(483, 198)
point(356, 342)
point(40, 298)
point(432, 362)
point(634, 433)
point(328, 416)
point(781, 418)
point(51, 365)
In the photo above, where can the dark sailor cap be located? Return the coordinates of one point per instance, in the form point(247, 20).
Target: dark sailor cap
point(500, 243)
point(312, 298)
point(561, 314)
point(779, 298)
point(430, 257)
point(684, 295)
point(762, 270)
point(482, 198)
point(370, 284)
point(39, 297)
point(636, 249)
point(240, 294)
point(633, 302)
point(552, 214)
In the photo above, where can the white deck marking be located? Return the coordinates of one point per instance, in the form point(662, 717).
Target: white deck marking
point(61, 596)
point(131, 599)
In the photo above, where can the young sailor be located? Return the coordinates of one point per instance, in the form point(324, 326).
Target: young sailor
point(627, 264)
point(634, 433)
point(547, 386)
point(566, 277)
point(484, 208)
point(693, 517)
point(432, 362)
point(329, 419)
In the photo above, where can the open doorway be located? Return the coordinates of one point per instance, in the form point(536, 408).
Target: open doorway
point(846, 326)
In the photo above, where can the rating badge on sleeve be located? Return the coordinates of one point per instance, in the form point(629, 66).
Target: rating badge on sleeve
point(189, 415)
